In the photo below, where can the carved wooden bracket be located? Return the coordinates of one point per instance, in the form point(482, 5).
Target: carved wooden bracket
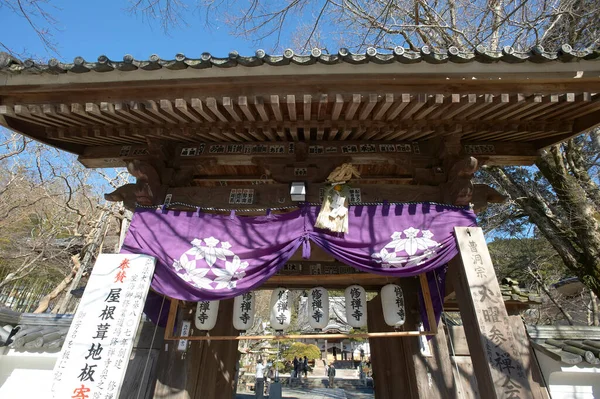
point(147, 189)
point(126, 194)
point(459, 189)
point(484, 195)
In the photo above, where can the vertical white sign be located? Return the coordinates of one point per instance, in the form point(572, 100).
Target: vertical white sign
point(185, 331)
point(96, 351)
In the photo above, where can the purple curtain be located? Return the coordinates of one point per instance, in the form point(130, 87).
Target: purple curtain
point(204, 256)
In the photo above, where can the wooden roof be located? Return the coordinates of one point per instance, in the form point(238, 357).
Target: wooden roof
point(578, 345)
point(535, 99)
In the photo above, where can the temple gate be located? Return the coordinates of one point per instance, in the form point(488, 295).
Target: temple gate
point(251, 142)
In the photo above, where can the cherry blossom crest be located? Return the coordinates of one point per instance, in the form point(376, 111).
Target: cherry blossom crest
point(199, 265)
point(410, 244)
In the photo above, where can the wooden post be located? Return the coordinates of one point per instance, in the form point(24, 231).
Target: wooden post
point(141, 370)
point(388, 358)
point(432, 373)
point(499, 369)
point(399, 365)
point(206, 369)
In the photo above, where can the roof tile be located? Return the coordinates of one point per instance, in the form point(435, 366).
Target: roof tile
point(537, 54)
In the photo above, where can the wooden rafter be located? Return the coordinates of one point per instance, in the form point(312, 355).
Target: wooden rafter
point(372, 116)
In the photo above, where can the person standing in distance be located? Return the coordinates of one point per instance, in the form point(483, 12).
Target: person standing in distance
point(331, 374)
point(259, 385)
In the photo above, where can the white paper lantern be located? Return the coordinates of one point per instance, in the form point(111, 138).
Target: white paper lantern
point(356, 306)
point(318, 308)
point(243, 311)
point(206, 315)
point(280, 309)
point(392, 302)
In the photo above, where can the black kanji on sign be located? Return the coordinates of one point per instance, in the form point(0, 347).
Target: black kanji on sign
point(399, 296)
point(317, 315)
point(503, 362)
point(356, 303)
point(282, 305)
point(512, 390)
point(488, 294)
point(114, 295)
point(497, 337)
point(282, 295)
point(357, 314)
point(101, 331)
point(202, 317)
point(491, 314)
point(108, 313)
point(245, 306)
point(87, 373)
point(473, 246)
point(477, 259)
point(94, 352)
point(281, 318)
point(245, 317)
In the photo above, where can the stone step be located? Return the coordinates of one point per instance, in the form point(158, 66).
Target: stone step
point(342, 383)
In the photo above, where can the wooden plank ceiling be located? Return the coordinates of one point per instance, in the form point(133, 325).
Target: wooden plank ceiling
point(309, 117)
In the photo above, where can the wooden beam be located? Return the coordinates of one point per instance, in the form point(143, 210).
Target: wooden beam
point(297, 336)
point(265, 196)
point(358, 152)
point(307, 107)
point(408, 79)
point(333, 281)
point(230, 107)
point(200, 108)
point(244, 106)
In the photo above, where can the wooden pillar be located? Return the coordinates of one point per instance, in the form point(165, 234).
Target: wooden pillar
point(388, 358)
point(206, 370)
point(499, 368)
point(399, 366)
point(172, 373)
point(433, 373)
point(140, 376)
point(433, 376)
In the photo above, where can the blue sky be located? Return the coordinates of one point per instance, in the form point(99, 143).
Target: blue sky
point(91, 28)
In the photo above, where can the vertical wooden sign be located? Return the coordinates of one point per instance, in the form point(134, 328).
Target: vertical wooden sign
point(499, 370)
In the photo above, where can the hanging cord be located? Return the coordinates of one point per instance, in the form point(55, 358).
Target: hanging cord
point(462, 390)
point(150, 350)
